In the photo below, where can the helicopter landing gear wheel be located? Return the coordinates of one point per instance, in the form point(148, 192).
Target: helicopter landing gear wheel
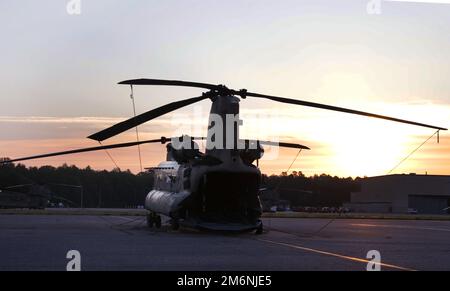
point(150, 220)
point(259, 230)
point(153, 219)
point(175, 224)
point(157, 219)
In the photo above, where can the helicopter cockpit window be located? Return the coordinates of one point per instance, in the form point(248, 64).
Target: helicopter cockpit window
point(165, 179)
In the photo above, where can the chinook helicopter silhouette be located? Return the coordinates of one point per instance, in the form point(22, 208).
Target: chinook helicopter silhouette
point(217, 189)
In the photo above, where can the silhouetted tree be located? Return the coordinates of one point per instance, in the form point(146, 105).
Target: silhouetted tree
point(118, 188)
point(100, 188)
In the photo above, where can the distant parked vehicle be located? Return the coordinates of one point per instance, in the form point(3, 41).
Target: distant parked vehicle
point(297, 209)
point(281, 208)
point(412, 211)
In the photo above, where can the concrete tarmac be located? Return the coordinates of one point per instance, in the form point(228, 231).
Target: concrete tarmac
point(41, 242)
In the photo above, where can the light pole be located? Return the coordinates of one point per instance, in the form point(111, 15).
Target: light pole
point(81, 190)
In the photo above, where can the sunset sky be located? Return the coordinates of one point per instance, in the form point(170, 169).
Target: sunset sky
point(59, 75)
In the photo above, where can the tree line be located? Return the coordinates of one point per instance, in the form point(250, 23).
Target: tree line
point(116, 188)
point(105, 189)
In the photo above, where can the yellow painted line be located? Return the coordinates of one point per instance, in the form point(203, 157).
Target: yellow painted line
point(124, 218)
point(400, 226)
point(349, 258)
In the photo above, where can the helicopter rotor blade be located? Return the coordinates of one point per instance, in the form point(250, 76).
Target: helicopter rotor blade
point(158, 82)
point(285, 145)
point(244, 94)
point(335, 108)
point(162, 140)
point(220, 89)
point(144, 117)
point(90, 149)
point(280, 144)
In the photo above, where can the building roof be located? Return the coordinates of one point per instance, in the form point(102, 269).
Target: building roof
point(408, 175)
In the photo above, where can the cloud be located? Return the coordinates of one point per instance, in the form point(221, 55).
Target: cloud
point(47, 119)
point(340, 146)
point(45, 127)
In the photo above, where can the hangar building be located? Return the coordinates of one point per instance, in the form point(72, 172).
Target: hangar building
point(426, 194)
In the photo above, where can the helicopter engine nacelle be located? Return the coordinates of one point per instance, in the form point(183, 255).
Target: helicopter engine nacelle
point(182, 155)
point(253, 151)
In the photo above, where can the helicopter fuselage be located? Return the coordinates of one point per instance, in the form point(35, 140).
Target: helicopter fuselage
point(217, 190)
point(217, 197)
